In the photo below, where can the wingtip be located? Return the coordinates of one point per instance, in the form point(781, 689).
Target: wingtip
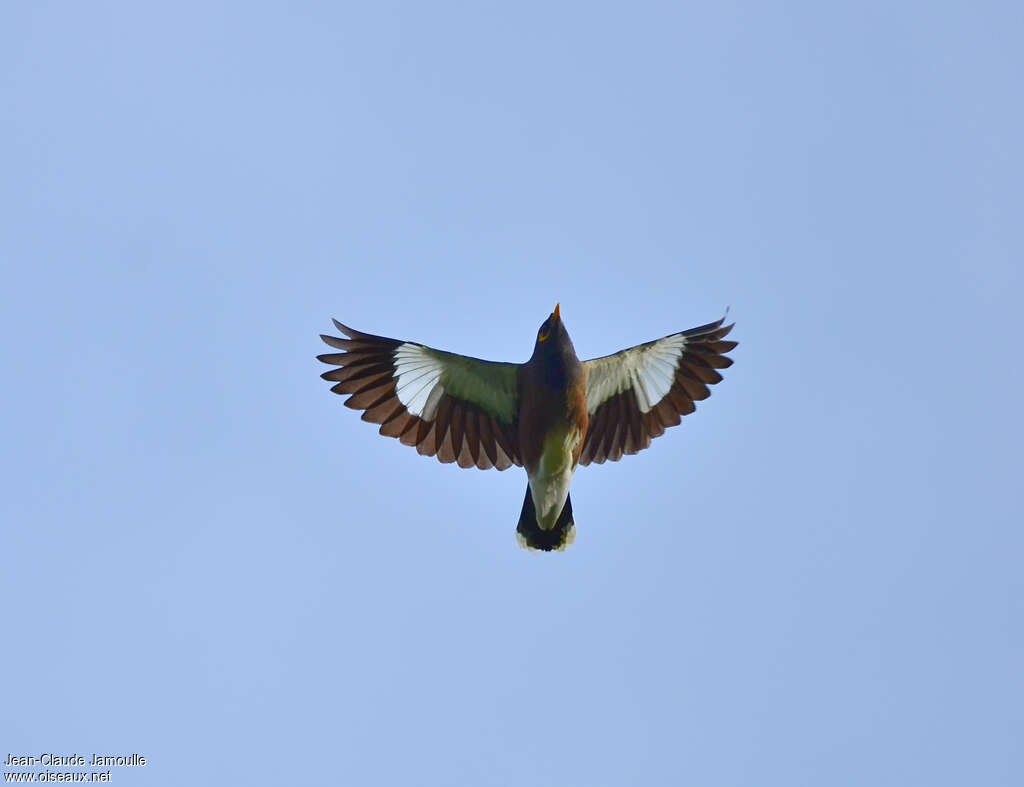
point(343, 328)
point(721, 322)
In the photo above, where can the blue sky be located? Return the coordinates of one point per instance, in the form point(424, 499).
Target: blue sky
point(208, 560)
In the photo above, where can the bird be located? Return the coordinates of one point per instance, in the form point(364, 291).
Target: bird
point(548, 415)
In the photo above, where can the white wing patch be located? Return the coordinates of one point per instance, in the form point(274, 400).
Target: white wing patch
point(418, 376)
point(649, 370)
point(423, 376)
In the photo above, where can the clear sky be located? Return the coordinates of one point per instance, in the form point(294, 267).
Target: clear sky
point(208, 560)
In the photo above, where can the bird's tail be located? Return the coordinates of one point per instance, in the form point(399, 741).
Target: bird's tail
point(530, 535)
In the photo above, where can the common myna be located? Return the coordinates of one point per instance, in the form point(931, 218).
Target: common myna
point(547, 415)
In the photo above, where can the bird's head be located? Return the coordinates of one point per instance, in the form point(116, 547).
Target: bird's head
point(552, 338)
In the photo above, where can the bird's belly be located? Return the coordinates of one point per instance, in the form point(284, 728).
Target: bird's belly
point(549, 485)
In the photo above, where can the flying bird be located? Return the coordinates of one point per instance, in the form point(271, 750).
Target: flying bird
point(548, 415)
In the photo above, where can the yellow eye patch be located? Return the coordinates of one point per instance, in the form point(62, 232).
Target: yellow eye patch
point(544, 333)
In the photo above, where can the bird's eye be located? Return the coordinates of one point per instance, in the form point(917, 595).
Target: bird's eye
point(544, 332)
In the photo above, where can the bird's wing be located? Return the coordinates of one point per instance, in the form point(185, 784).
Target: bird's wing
point(456, 408)
point(635, 394)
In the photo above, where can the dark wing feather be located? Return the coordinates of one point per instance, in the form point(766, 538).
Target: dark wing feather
point(634, 395)
point(456, 408)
